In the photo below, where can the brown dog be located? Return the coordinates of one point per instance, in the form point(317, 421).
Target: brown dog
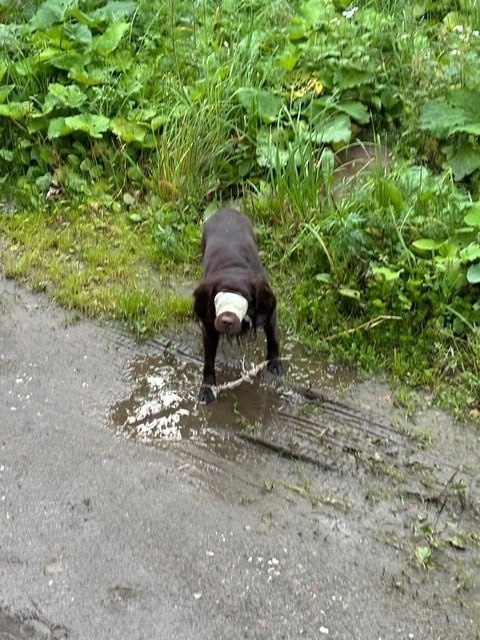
point(234, 295)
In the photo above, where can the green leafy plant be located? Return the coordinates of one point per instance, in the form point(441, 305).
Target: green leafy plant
point(456, 115)
point(457, 257)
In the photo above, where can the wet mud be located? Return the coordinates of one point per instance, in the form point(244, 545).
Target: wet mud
point(319, 436)
point(29, 627)
point(317, 413)
point(308, 506)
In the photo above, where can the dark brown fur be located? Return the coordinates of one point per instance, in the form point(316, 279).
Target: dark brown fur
point(231, 263)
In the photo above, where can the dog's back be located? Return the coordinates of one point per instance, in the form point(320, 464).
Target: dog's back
point(228, 242)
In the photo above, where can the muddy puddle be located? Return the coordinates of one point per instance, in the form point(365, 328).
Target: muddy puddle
point(324, 443)
point(162, 408)
point(316, 414)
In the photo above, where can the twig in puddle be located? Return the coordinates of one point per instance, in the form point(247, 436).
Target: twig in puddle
point(247, 376)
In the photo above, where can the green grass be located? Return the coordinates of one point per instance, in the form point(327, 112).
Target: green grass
point(98, 264)
point(122, 123)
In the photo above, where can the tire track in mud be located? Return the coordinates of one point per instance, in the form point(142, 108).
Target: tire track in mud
point(216, 444)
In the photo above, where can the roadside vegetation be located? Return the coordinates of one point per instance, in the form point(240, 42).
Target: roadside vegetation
point(349, 132)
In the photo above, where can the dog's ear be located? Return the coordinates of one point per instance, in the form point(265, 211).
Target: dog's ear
point(203, 306)
point(263, 298)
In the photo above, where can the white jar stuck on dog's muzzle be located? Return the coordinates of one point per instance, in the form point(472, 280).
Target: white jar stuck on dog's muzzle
point(228, 302)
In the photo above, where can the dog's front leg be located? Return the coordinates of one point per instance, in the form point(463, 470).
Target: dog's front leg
point(273, 348)
point(210, 344)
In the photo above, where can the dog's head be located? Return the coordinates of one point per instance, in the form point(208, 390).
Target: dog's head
point(234, 307)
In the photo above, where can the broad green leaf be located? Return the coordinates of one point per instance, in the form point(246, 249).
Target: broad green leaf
point(93, 125)
point(473, 274)
point(415, 177)
point(79, 33)
point(4, 92)
point(158, 121)
point(471, 252)
point(386, 274)
point(312, 11)
point(269, 153)
point(473, 216)
point(38, 122)
point(324, 277)
point(388, 99)
point(458, 111)
point(15, 110)
point(7, 155)
point(110, 39)
point(57, 39)
point(298, 30)
point(427, 244)
point(69, 61)
point(49, 13)
point(389, 194)
point(464, 160)
point(347, 292)
point(85, 18)
point(128, 131)
point(66, 96)
point(288, 58)
point(453, 18)
point(90, 77)
point(448, 250)
point(423, 555)
point(333, 130)
point(263, 103)
point(27, 67)
point(57, 128)
point(114, 11)
point(351, 77)
point(49, 54)
point(8, 40)
point(356, 110)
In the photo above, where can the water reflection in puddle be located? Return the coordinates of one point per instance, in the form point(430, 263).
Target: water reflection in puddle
point(162, 407)
point(161, 404)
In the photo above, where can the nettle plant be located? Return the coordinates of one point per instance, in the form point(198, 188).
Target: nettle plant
point(453, 117)
point(326, 77)
point(403, 244)
point(82, 81)
point(66, 76)
point(457, 257)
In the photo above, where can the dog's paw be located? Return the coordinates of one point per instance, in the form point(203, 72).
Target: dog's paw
point(275, 367)
point(206, 395)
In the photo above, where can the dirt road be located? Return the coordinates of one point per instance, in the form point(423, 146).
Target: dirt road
point(295, 511)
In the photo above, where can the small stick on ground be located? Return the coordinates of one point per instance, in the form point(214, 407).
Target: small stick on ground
point(247, 376)
point(371, 324)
